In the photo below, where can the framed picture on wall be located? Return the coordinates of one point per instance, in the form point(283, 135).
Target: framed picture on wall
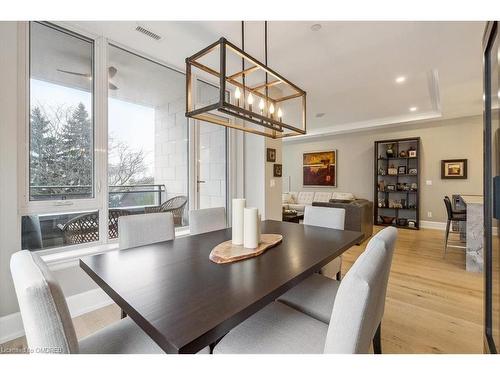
point(454, 169)
point(277, 170)
point(271, 155)
point(320, 168)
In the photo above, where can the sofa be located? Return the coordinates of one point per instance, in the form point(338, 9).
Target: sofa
point(358, 215)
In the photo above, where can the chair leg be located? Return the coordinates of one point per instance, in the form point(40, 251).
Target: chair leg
point(447, 234)
point(124, 315)
point(339, 275)
point(377, 341)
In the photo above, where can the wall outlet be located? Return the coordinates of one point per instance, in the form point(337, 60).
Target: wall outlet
point(429, 213)
point(272, 183)
point(428, 182)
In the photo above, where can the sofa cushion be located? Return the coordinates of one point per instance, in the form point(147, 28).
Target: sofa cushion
point(343, 196)
point(322, 196)
point(305, 197)
point(287, 198)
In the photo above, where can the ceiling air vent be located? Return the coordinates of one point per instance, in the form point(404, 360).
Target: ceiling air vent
point(148, 32)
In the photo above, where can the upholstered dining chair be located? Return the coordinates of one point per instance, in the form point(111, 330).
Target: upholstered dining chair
point(207, 220)
point(354, 323)
point(452, 216)
point(144, 229)
point(47, 321)
point(327, 217)
point(316, 295)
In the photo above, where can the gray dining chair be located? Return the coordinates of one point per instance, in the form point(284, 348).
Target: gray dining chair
point(354, 322)
point(207, 220)
point(327, 217)
point(47, 321)
point(316, 295)
point(145, 229)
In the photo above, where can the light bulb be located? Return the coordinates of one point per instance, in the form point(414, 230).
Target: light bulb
point(250, 99)
point(280, 114)
point(237, 93)
point(271, 109)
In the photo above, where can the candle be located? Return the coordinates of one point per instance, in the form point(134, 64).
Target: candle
point(250, 232)
point(237, 95)
point(237, 219)
point(271, 110)
point(250, 101)
point(280, 114)
point(261, 106)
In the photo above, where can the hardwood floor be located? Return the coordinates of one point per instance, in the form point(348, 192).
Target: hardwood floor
point(433, 305)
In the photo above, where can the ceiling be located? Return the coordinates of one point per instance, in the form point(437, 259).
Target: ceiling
point(348, 69)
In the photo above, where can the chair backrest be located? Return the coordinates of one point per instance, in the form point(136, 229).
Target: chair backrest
point(144, 229)
point(207, 220)
point(360, 300)
point(46, 318)
point(327, 217)
point(447, 204)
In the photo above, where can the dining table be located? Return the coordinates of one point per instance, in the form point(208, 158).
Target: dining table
point(185, 302)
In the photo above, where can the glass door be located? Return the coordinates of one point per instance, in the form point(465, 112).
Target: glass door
point(492, 187)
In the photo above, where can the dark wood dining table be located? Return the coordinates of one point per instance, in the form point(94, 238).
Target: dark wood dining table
point(185, 302)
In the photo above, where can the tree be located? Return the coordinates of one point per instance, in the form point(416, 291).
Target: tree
point(128, 166)
point(43, 150)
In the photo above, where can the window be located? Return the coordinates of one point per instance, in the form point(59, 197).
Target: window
point(147, 137)
point(61, 147)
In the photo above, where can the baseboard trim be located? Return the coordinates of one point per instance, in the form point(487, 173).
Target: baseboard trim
point(11, 326)
point(432, 225)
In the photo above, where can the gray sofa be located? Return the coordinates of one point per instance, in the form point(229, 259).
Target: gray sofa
point(358, 214)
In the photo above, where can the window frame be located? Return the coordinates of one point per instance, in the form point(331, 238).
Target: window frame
point(99, 202)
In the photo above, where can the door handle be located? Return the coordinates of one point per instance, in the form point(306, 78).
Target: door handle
point(200, 181)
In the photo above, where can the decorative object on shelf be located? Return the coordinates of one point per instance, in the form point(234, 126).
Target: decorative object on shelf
point(454, 169)
point(271, 155)
point(251, 228)
point(411, 205)
point(412, 224)
point(402, 222)
point(414, 186)
point(395, 203)
point(381, 202)
point(390, 187)
point(403, 203)
point(277, 170)
point(237, 221)
point(319, 168)
point(412, 171)
point(226, 252)
point(412, 153)
point(402, 154)
point(381, 172)
point(387, 219)
point(392, 170)
point(390, 150)
point(402, 169)
point(381, 185)
point(244, 84)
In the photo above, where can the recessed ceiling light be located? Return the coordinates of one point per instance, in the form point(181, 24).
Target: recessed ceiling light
point(316, 27)
point(413, 109)
point(320, 114)
point(400, 79)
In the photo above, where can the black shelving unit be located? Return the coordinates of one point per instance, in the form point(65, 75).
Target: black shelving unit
point(406, 191)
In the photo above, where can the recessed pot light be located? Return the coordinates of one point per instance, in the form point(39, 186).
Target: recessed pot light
point(413, 109)
point(400, 79)
point(320, 114)
point(316, 27)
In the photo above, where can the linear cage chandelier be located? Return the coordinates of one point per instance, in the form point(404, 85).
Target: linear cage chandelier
point(246, 94)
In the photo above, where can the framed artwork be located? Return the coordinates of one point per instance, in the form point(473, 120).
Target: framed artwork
point(271, 155)
point(454, 169)
point(277, 170)
point(320, 168)
point(390, 187)
point(412, 171)
point(402, 169)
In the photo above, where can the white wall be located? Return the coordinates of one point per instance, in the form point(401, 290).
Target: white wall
point(460, 138)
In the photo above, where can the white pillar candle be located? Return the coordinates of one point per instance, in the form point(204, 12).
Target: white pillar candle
point(237, 218)
point(250, 233)
point(259, 223)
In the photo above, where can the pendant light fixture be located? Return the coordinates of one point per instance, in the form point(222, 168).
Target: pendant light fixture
point(251, 96)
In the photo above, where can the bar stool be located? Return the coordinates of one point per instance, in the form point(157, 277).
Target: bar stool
point(453, 216)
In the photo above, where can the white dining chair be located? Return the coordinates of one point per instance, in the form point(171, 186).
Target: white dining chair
point(207, 220)
point(327, 217)
point(316, 295)
point(145, 229)
point(354, 323)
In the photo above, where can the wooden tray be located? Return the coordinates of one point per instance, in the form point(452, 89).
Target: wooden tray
point(226, 252)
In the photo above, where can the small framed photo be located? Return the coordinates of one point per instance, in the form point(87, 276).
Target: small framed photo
point(271, 155)
point(390, 187)
point(412, 153)
point(277, 170)
point(454, 169)
point(402, 169)
point(412, 171)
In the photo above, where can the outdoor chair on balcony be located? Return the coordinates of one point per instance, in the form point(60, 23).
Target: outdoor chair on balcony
point(175, 205)
point(85, 228)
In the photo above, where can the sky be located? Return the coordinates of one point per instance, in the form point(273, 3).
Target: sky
point(130, 123)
